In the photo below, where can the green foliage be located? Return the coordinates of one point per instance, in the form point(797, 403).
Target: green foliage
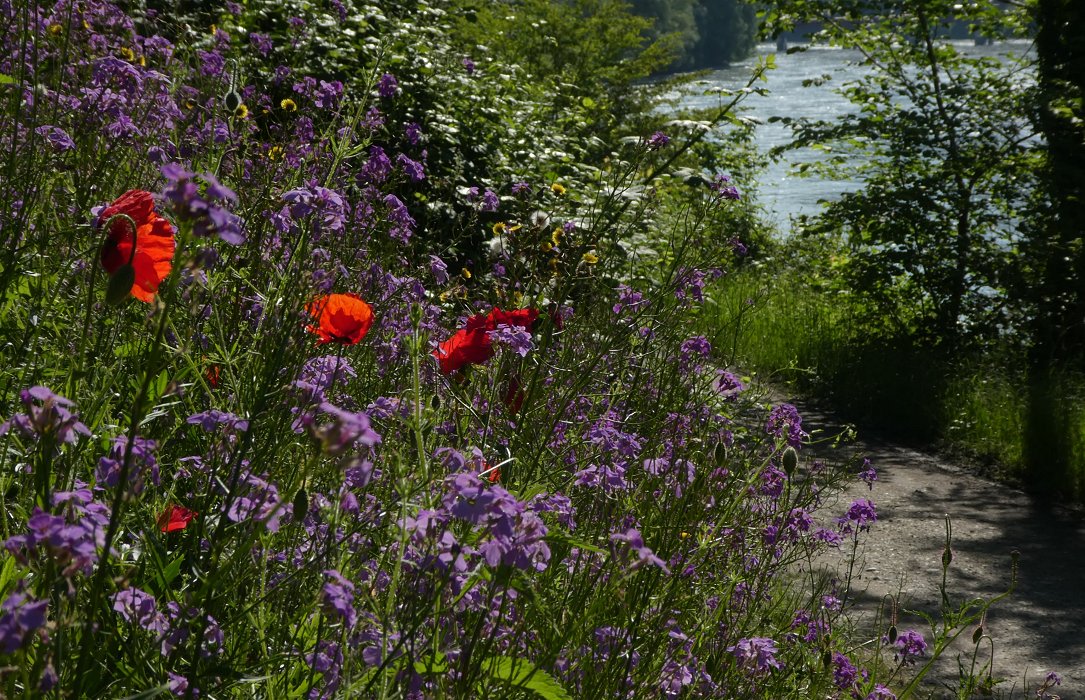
point(942, 143)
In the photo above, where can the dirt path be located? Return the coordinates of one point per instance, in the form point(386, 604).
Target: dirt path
point(1040, 628)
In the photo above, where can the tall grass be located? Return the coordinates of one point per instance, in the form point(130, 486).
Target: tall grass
point(791, 329)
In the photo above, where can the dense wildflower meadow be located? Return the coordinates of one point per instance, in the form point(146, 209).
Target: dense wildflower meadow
point(333, 365)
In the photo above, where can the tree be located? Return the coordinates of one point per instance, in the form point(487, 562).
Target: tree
point(1057, 244)
point(946, 154)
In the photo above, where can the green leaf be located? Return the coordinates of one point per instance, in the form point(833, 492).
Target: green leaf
point(432, 665)
point(6, 79)
point(587, 102)
point(523, 674)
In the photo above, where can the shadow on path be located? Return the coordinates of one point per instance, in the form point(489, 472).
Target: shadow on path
point(1039, 628)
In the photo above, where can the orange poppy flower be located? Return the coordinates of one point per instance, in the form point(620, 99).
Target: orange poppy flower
point(340, 318)
point(175, 518)
point(154, 243)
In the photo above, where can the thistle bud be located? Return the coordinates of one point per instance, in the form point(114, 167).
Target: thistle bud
point(790, 460)
point(120, 284)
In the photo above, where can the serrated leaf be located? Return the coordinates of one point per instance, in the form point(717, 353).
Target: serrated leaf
point(523, 674)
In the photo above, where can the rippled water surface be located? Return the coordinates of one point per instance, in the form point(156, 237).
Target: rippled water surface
point(783, 194)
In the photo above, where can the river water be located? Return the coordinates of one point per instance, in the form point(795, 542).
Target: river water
point(784, 194)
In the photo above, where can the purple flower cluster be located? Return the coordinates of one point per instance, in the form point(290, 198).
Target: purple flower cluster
point(204, 209)
point(785, 423)
point(756, 655)
point(47, 416)
point(642, 555)
point(515, 533)
point(20, 619)
point(70, 540)
point(142, 465)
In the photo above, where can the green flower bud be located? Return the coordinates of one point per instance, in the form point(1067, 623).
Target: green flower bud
point(120, 284)
point(790, 460)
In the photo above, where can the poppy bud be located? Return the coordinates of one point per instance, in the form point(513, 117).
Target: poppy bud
point(231, 101)
point(120, 284)
point(301, 503)
point(720, 452)
point(977, 635)
point(892, 634)
point(947, 557)
point(790, 460)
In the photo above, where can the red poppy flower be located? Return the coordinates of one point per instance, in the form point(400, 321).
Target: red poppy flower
point(154, 244)
point(213, 375)
point(340, 318)
point(471, 344)
point(492, 473)
point(514, 395)
point(525, 318)
point(175, 518)
point(467, 346)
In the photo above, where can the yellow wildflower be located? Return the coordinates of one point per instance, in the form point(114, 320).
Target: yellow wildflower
point(289, 105)
point(242, 111)
point(557, 188)
point(590, 257)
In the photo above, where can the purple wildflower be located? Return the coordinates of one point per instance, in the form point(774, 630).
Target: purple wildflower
point(402, 224)
point(338, 597)
point(644, 554)
point(22, 617)
point(345, 430)
point(728, 385)
point(469, 66)
point(516, 338)
point(723, 188)
point(57, 138)
point(910, 646)
point(142, 464)
point(844, 672)
point(869, 474)
point(439, 269)
point(489, 201)
point(757, 655)
point(261, 43)
point(784, 422)
point(47, 415)
point(861, 514)
point(413, 133)
point(519, 188)
point(414, 170)
point(387, 85)
point(377, 168)
point(657, 141)
point(628, 298)
point(204, 210)
point(139, 607)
